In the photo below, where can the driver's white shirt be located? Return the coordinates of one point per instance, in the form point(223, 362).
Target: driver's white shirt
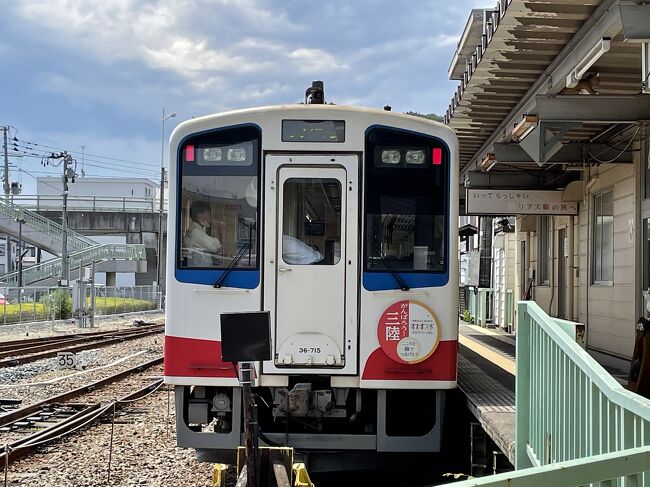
point(197, 238)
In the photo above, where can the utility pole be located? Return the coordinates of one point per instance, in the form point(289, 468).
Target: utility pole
point(83, 169)
point(160, 227)
point(5, 146)
point(162, 197)
point(21, 252)
point(68, 175)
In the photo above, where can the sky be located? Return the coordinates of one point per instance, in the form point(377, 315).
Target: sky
point(98, 73)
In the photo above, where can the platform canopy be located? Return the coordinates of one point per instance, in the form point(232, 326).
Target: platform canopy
point(551, 84)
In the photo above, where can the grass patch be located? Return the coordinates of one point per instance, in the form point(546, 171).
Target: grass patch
point(42, 310)
point(121, 305)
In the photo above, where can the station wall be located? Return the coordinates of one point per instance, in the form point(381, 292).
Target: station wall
point(608, 307)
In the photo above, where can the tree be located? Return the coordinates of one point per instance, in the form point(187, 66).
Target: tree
point(430, 116)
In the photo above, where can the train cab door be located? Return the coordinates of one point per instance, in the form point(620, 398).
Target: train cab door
point(311, 261)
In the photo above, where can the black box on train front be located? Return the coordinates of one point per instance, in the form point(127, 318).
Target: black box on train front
point(246, 337)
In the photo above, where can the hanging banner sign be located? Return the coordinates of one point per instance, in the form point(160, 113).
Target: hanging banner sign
point(510, 202)
point(408, 332)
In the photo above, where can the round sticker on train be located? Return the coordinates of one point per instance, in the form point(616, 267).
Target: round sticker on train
point(408, 332)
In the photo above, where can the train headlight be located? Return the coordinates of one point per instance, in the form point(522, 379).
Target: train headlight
point(390, 157)
point(212, 154)
point(415, 157)
point(237, 155)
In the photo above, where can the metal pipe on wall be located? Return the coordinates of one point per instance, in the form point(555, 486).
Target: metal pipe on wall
point(570, 267)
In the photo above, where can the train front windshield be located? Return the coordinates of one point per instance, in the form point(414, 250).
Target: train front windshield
point(406, 203)
point(219, 200)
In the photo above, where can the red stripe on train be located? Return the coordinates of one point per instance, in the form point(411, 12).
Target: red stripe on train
point(193, 357)
point(441, 365)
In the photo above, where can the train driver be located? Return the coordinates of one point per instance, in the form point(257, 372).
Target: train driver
point(202, 246)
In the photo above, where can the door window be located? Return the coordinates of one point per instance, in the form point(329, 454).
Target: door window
point(311, 221)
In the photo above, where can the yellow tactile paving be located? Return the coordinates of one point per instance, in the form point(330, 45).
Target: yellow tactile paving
point(505, 363)
point(492, 333)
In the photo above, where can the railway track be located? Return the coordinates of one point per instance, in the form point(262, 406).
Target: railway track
point(20, 352)
point(57, 416)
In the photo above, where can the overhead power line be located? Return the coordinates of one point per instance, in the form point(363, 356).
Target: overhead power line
point(86, 154)
point(98, 163)
point(20, 150)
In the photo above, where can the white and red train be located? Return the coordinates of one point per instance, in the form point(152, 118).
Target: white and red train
point(342, 223)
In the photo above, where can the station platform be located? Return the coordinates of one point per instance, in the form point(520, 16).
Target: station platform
point(486, 377)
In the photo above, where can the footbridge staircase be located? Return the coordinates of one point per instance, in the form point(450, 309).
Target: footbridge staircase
point(83, 251)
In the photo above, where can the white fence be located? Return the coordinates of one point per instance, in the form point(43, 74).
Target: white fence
point(29, 304)
point(89, 203)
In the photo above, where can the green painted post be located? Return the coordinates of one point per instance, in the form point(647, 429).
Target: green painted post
point(522, 388)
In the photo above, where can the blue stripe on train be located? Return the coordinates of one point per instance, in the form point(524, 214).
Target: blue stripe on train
point(379, 281)
point(240, 279)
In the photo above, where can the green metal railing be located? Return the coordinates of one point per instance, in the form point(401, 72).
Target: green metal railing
point(34, 221)
point(606, 469)
point(78, 259)
point(479, 305)
point(568, 406)
point(575, 424)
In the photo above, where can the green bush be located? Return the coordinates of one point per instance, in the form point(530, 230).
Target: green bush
point(467, 316)
point(61, 301)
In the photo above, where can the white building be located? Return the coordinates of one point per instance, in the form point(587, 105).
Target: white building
point(113, 193)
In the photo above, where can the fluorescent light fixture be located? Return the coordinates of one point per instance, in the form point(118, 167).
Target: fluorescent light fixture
point(588, 61)
point(488, 162)
point(524, 127)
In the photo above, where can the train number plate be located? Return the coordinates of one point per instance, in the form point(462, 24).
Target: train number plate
point(66, 360)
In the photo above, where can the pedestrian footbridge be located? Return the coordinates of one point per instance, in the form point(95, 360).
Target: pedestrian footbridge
point(558, 415)
point(46, 234)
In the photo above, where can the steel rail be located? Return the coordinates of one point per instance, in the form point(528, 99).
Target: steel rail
point(31, 409)
point(11, 362)
point(54, 342)
point(92, 413)
point(35, 341)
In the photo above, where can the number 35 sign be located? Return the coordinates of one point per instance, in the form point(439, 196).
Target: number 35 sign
point(66, 360)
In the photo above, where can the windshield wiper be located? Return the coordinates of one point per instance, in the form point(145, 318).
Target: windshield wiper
point(402, 285)
point(232, 265)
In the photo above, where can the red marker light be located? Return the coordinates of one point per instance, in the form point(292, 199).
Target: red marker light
point(436, 156)
point(189, 153)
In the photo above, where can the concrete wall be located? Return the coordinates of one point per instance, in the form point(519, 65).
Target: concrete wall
point(137, 227)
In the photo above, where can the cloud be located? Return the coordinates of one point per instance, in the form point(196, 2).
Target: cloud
point(316, 61)
point(111, 66)
point(161, 34)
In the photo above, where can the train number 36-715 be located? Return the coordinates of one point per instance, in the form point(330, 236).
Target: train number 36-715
point(309, 350)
